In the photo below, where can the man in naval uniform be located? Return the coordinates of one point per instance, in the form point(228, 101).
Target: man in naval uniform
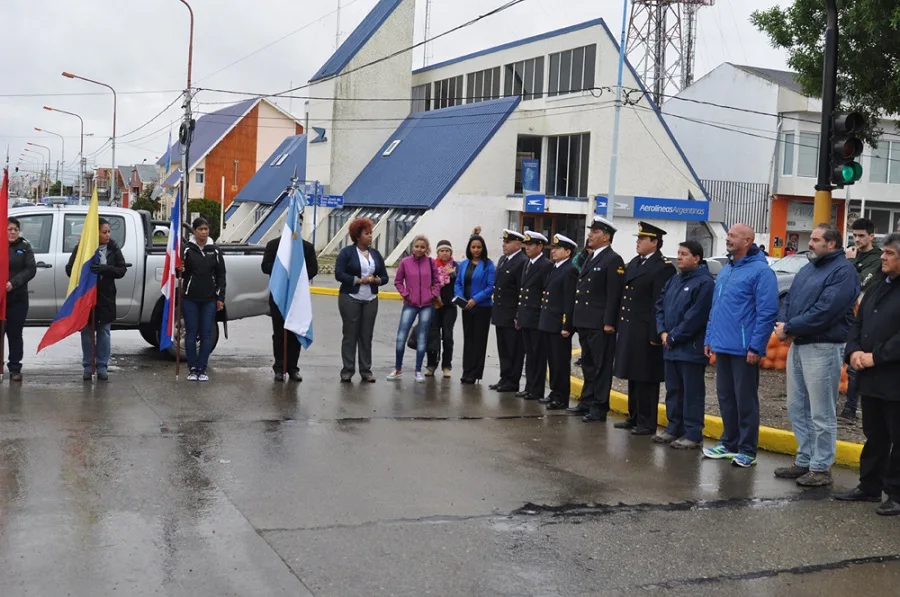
point(557, 304)
point(507, 280)
point(639, 352)
point(534, 275)
point(598, 297)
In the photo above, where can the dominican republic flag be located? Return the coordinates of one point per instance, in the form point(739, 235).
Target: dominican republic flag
point(4, 255)
point(170, 278)
point(289, 283)
point(81, 298)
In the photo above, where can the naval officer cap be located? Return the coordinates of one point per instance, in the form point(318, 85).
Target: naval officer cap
point(532, 237)
point(512, 235)
point(601, 223)
point(650, 231)
point(564, 242)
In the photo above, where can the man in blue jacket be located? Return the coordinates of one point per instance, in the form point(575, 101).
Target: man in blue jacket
point(815, 318)
point(682, 311)
point(745, 304)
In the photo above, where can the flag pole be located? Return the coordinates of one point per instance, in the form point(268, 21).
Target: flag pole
point(93, 342)
point(284, 354)
point(3, 347)
point(178, 329)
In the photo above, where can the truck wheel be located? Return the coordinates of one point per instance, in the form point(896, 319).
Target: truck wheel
point(171, 349)
point(150, 333)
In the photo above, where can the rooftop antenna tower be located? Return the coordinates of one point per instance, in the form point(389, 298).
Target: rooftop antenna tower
point(662, 43)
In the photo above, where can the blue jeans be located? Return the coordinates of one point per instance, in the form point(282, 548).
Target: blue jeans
point(685, 399)
point(102, 348)
point(813, 376)
point(199, 319)
point(737, 383)
point(407, 316)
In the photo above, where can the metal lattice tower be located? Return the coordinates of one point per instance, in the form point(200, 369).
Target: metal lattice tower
point(662, 46)
point(427, 53)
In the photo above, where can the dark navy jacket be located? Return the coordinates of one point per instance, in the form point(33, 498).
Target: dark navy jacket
point(682, 310)
point(347, 269)
point(819, 306)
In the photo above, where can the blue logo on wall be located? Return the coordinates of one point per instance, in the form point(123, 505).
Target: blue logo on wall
point(535, 204)
point(649, 208)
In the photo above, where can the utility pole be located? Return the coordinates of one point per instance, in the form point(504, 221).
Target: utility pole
point(822, 205)
point(337, 35)
point(186, 131)
point(614, 157)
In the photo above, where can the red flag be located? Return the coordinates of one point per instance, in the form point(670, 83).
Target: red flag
point(4, 254)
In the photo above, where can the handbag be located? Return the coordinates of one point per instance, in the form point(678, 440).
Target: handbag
point(412, 341)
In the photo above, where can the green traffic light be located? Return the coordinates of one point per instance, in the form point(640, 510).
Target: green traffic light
point(851, 172)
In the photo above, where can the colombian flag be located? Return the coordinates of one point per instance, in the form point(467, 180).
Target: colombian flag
point(82, 295)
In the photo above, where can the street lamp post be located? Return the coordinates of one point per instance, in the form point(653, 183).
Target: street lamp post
point(80, 151)
point(187, 130)
point(62, 168)
point(49, 155)
point(112, 193)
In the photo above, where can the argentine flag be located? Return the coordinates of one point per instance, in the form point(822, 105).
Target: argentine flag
point(289, 283)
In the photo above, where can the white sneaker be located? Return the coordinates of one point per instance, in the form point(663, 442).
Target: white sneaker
point(192, 376)
point(394, 375)
point(447, 373)
point(203, 377)
point(419, 377)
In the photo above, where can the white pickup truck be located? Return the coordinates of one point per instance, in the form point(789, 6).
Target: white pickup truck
point(54, 231)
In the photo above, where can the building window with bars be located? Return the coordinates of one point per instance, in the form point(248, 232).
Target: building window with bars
point(421, 98)
point(568, 161)
point(448, 92)
point(525, 79)
point(483, 85)
point(573, 70)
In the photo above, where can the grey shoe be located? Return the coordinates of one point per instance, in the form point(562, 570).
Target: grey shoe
point(685, 444)
point(663, 438)
point(791, 472)
point(815, 479)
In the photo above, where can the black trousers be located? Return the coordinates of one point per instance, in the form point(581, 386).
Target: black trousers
point(598, 350)
point(293, 344)
point(441, 337)
point(476, 329)
point(559, 360)
point(643, 403)
point(16, 313)
point(879, 464)
point(536, 363)
point(511, 351)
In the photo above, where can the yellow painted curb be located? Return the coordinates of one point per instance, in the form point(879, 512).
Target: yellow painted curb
point(323, 291)
point(771, 439)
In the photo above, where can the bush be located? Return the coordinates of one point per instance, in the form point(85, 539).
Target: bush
point(208, 209)
point(146, 204)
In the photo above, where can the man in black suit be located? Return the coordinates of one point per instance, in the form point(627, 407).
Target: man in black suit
point(503, 312)
point(639, 356)
point(557, 305)
point(534, 275)
point(290, 368)
point(598, 297)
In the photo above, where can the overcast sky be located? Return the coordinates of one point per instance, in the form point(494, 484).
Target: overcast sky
point(141, 46)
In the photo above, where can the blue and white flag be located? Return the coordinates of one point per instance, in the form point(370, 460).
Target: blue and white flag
point(289, 283)
point(169, 154)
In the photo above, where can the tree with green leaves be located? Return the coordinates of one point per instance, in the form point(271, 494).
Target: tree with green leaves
point(868, 55)
point(209, 209)
point(146, 201)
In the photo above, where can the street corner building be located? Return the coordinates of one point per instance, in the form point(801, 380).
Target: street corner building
point(515, 136)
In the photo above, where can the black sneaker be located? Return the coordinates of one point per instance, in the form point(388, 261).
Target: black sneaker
point(15, 377)
point(848, 415)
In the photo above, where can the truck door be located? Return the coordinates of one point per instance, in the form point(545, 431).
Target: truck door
point(37, 228)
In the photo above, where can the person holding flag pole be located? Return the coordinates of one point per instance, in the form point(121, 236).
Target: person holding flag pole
point(90, 305)
point(289, 282)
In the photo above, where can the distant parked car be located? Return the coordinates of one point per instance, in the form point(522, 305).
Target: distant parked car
point(787, 269)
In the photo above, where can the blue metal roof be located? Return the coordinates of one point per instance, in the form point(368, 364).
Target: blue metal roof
point(208, 130)
point(274, 177)
point(513, 44)
point(659, 115)
point(435, 149)
point(355, 42)
point(266, 224)
point(230, 212)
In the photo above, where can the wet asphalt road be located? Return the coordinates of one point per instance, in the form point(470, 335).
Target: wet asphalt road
point(147, 486)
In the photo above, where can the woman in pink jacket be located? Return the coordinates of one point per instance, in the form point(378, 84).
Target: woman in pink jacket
point(418, 282)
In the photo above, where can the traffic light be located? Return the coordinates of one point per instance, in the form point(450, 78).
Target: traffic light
point(846, 147)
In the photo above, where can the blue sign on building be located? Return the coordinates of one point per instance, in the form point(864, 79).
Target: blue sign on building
point(601, 206)
point(670, 209)
point(531, 176)
point(535, 204)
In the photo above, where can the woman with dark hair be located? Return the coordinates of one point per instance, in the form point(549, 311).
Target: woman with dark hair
point(203, 271)
point(21, 270)
point(109, 268)
point(440, 341)
point(360, 269)
point(475, 285)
